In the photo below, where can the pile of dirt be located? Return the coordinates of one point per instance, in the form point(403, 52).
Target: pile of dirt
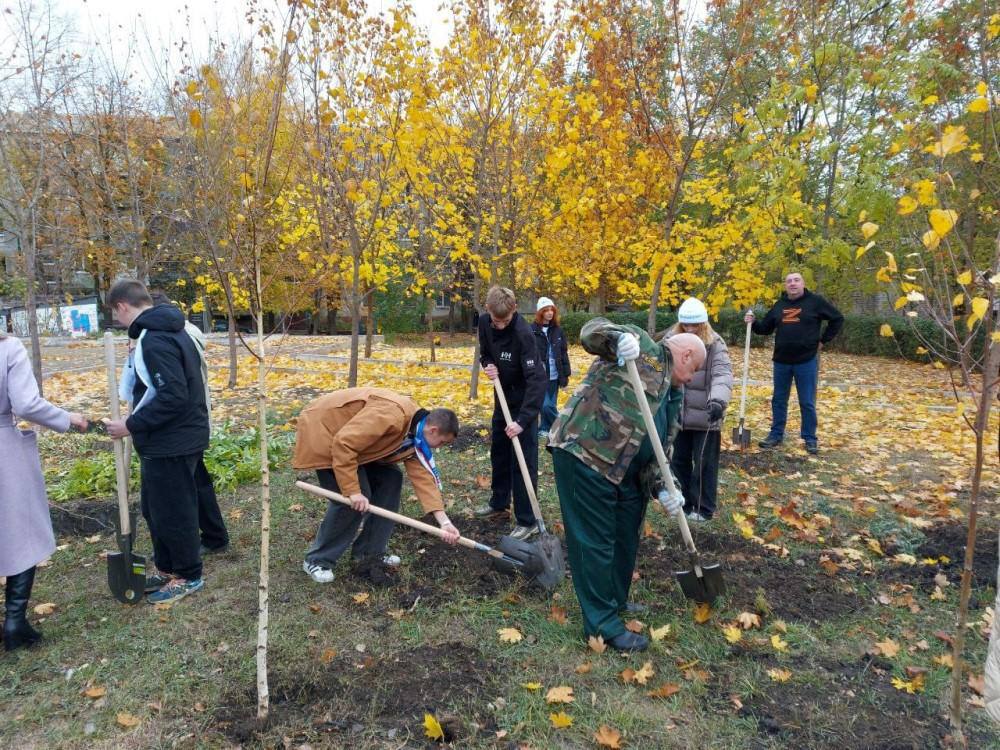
point(469, 437)
point(363, 695)
point(752, 574)
point(83, 517)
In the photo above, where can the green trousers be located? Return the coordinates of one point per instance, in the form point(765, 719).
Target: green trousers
point(602, 522)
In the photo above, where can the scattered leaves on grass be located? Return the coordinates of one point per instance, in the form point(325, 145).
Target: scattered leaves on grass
point(888, 648)
point(44, 610)
point(658, 634)
point(778, 644)
point(916, 685)
point(559, 694)
point(96, 692)
point(732, 633)
point(749, 620)
point(561, 720)
point(432, 727)
point(557, 615)
point(127, 720)
point(328, 655)
point(509, 635)
point(779, 675)
point(665, 690)
point(597, 644)
point(702, 613)
point(641, 676)
point(608, 737)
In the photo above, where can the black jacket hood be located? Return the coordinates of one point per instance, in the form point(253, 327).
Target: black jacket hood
point(158, 318)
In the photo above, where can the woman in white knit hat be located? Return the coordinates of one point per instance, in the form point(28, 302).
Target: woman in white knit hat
point(695, 460)
point(553, 352)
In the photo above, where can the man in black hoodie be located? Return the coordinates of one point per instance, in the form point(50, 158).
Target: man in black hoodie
point(507, 351)
point(169, 428)
point(796, 320)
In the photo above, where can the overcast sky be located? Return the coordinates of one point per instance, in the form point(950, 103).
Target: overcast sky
point(136, 32)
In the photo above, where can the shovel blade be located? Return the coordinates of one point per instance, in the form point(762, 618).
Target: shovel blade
point(741, 437)
point(542, 560)
point(705, 588)
point(127, 576)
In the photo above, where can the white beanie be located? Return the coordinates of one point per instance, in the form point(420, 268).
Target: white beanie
point(544, 302)
point(692, 311)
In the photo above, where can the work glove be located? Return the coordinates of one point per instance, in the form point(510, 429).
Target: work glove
point(672, 501)
point(715, 410)
point(628, 347)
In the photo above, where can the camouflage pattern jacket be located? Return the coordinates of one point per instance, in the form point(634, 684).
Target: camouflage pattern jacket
point(601, 423)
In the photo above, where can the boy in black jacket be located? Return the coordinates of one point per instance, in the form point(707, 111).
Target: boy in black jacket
point(796, 320)
point(169, 427)
point(507, 351)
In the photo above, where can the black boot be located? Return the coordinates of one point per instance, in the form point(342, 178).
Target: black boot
point(17, 632)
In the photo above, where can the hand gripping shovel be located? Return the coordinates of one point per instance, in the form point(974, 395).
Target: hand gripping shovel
point(126, 570)
point(530, 568)
point(547, 548)
point(741, 435)
point(703, 583)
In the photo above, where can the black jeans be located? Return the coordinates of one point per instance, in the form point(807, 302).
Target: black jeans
point(506, 472)
point(382, 484)
point(695, 463)
point(213, 529)
point(169, 503)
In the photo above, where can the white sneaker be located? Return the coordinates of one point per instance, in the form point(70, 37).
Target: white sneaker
point(317, 572)
point(392, 561)
point(697, 517)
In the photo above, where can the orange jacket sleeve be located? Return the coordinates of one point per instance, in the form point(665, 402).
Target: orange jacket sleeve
point(424, 485)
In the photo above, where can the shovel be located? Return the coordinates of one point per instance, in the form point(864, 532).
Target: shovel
point(531, 566)
point(703, 583)
point(547, 547)
point(126, 570)
point(741, 435)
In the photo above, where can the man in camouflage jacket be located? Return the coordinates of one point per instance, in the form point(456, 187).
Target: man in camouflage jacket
point(605, 468)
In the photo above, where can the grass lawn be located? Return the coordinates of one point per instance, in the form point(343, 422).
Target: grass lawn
point(843, 572)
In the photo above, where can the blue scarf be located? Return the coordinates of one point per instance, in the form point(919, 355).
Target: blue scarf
point(423, 451)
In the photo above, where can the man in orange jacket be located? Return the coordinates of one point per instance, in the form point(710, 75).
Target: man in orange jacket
point(353, 439)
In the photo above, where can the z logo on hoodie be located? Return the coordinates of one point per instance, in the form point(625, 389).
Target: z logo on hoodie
point(791, 315)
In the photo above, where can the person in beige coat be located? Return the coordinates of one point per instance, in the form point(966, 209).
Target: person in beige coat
point(26, 537)
point(353, 439)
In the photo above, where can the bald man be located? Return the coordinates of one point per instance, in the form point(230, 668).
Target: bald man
point(606, 470)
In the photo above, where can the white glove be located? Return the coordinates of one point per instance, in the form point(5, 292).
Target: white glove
point(628, 347)
point(672, 502)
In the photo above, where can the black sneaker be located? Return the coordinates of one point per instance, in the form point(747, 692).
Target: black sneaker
point(769, 442)
point(812, 447)
point(214, 550)
point(156, 582)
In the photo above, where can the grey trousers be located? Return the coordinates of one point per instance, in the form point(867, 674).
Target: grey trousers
point(382, 484)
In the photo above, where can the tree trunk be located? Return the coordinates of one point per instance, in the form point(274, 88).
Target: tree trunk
point(31, 304)
point(474, 381)
point(981, 424)
point(352, 370)
point(369, 323)
point(430, 329)
point(233, 358)
point(263, 697)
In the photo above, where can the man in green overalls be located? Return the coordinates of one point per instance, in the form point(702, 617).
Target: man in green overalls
point(605, 468)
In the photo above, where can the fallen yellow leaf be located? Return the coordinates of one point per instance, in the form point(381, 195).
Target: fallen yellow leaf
point(779, 645)
point(560, 694)
point(658, 634)
point(95, 692)
point(561, 720)
point(732, 633)
point(888, 648)
point(44, 610)
point(608, 737)
point(432, 727)
point(127, 720)
point(533, 686)
point(702, 613)
point(779, 675)
point(509, 635)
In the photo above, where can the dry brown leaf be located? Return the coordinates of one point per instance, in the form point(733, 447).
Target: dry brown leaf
point(44, 610)
point(696, 675)
point(557, 615)
point(559, 694)
point(702, 613)
point(483, 482)
point(584, 668)
point(328, 655)
point(665, 690)
point(888, 648)
point(944, 660)
point(597, 644)
point(315, 608)
point(749, 620)
point(658, 634)
point(95, 692)
point(635, 626)
point(608, 737)
point(509, 635)
point(361, 598)
point(978, 683)
point(127, 720)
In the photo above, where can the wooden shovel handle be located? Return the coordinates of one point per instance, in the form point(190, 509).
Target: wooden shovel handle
point(121, 471)
point(397, 517)
point(746, 372)
point(654, 438)
point(519, 452)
